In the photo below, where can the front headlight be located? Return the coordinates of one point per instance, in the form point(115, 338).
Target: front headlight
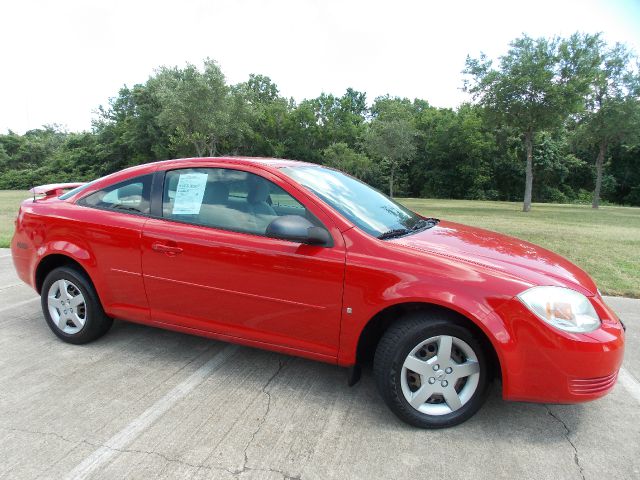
point(562, 308)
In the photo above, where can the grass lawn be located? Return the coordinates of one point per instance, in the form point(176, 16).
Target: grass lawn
point(9, 203)
point(604, 242)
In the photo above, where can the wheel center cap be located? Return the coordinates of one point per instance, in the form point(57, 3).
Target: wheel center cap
point(440, 375)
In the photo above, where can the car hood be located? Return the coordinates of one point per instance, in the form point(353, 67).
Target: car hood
point(509, 255)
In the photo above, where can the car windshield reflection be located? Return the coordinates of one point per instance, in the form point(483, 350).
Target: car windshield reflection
point(369, 209)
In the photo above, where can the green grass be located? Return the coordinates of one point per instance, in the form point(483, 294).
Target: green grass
point(604, 242)
point(9, 203)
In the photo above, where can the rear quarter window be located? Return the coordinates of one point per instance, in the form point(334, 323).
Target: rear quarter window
point(130, 196)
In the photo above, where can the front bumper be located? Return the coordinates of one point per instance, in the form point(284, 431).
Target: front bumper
point(542, 364)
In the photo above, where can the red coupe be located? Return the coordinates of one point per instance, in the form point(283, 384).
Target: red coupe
point(305, 260)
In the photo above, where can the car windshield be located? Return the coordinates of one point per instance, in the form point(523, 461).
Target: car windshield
point(369, 209)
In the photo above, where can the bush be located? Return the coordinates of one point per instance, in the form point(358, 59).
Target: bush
point(553, 195)
point(583, 197)
point(633, 198)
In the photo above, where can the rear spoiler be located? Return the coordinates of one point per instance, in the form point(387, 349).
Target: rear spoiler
point(54, 189)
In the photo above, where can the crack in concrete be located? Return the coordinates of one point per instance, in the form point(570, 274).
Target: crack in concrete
point(99, 445)
point(245, 466)
point(576, 457)
point(235, 473)
point(35, 432)
point(165, 458)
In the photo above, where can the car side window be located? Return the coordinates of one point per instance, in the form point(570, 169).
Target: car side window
point(227, 199)
point(129, 196)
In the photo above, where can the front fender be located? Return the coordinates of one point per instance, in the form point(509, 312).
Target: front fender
point(377, 280)
point(480, 311)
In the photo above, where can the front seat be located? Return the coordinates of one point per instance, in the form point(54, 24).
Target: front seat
point(257, 199)
point(216, 193)
point(261, 212)
point(214, 210)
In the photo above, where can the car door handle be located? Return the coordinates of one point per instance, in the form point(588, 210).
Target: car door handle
point(168, 249)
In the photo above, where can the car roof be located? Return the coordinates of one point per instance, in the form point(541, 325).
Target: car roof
point(264, 162)
point(268, 164)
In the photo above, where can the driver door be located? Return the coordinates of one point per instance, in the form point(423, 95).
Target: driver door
point(207, 264)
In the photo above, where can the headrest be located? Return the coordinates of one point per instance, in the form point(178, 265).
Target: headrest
point(259, 193)
point(134, 189)
point(216, 193)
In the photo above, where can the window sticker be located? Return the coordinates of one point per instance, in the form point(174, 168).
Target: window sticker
point(189, 193)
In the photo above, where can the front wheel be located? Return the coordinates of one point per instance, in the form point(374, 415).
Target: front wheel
point(431, 370)
point(71, 306)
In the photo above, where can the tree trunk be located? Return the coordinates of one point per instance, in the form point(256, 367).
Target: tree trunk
point(599, 161)
point(528, 181)
point(212, 147)
point(199, 148)
point(391, 181)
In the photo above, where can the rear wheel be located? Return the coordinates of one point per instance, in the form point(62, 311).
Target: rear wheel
point(71, 306)
point(431, 371)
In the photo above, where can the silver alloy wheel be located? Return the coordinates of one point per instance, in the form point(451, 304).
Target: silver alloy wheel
point(440, 375)
point(67, 306)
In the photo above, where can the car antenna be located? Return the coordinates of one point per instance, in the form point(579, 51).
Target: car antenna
point(33, 190)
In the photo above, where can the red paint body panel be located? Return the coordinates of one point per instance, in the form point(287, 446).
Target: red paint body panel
point(543, 360)
point(257, 288)
point(501, 253)
point(293, 298)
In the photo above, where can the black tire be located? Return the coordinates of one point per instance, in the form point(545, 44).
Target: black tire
point(398, 342)
point(96, 322)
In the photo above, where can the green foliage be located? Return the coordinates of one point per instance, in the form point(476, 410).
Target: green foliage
point(456, 153)
point(196, 107)
point(538, 84)
point(340, 156)
point(612, 109)
point(391, 137)
point(561, 96)
point(267, 116)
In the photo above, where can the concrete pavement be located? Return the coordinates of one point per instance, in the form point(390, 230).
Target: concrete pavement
point(147, 403)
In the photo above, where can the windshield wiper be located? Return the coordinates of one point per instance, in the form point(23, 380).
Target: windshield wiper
point(421, 224)
point(425, 223)
point(396, 232)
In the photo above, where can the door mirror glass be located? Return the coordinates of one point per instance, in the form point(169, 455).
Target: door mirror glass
point(298, 229)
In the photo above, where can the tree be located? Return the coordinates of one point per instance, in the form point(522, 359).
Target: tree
point(611, 105)
point(625, 169)
point(318, 123)
point(340, 156)
point(195, 107)
point(267, 113)
point(260, 90)
point(399, 145)
point(128, 130)
point(538, 83)
point(393, 143)
point(303, 134)
point(456, 154)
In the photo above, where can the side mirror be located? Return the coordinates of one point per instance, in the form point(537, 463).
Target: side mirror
point(297, 229)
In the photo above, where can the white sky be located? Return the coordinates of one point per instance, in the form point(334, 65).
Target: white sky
point(61, 59)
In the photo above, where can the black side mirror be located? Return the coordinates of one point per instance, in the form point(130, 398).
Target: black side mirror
point(297, 229)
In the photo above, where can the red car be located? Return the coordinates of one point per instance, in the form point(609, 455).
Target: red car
point(305, 260)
